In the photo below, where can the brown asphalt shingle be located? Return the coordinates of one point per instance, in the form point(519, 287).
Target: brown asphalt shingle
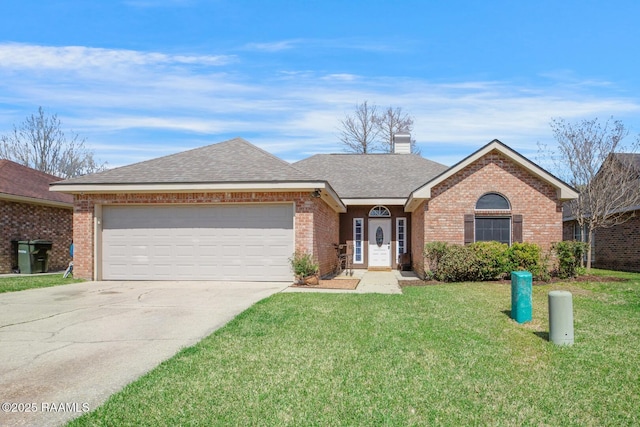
point(372, 175)
point(22, 181)
point(235, 160)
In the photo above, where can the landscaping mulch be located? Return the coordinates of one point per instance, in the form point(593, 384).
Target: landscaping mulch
point(333, 284)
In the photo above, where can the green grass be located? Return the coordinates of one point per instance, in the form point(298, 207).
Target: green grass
point(436, 355)
point(20, 283)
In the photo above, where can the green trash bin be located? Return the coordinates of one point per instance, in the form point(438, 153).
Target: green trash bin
point(33, 256)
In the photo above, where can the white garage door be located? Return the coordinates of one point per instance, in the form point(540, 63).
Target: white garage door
point(221, 242)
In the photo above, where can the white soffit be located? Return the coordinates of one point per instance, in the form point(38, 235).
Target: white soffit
point(361, 202)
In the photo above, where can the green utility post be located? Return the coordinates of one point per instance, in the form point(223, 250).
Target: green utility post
point(521, 298)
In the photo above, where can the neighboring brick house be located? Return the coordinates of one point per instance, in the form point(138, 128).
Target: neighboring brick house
point(616, 247)
point(29, 211)
point(232, 211)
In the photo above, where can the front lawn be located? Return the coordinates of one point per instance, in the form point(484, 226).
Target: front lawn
point(20, 283)
point(437, 355)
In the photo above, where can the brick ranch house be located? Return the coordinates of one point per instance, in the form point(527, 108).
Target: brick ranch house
point(231, 211)
point(29, 211)
point(616, 247)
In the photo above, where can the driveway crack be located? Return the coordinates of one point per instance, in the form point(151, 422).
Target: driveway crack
point(41, 318)
point(143, 294)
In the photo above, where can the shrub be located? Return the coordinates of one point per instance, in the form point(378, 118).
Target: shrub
point(433, 252)
point(303, 264)
point(569, 256)
point(528, 256)
point(457, 264)
point(492, 260)
point(483, 261)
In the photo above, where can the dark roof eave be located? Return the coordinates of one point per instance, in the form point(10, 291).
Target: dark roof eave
point(36, 201)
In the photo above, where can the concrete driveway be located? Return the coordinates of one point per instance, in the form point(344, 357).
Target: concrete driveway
point(65, 350)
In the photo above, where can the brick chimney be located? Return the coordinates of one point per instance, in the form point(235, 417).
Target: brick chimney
point(402, 143)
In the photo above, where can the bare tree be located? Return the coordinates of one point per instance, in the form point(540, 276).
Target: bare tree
point(590, 157)
point(369, 130)
point(41, 144)
point(360, 131)
point(392, 121)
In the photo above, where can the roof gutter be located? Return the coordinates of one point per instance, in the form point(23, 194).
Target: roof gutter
point(327, 193)
point(412, 203)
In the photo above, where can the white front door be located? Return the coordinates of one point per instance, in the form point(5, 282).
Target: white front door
point(380, 242)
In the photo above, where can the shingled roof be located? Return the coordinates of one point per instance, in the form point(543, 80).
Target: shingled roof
point(21, 183)
point(372, 176)
point(235, 160)
point(631, 158)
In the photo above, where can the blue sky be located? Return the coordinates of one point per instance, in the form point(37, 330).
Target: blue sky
point(144, 78)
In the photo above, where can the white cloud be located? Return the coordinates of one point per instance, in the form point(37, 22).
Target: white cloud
point(273, 46)
point(113, 95)
point(23, 56)
point(321, 45)
point(172, 123)
point(343, 77)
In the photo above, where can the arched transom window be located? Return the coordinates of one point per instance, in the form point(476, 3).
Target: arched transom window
point(493, 201)
point(379, 212)
point(493, 226)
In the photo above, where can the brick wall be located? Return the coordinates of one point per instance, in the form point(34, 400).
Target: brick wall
point(618, 247)
point(83, 237)
point(24, 221)
point(315, 223)
point(317, 230)
point(615, 248)
point(529, 196)
point(417, 240)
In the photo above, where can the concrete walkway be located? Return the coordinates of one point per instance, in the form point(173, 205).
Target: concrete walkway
point(379, 282)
